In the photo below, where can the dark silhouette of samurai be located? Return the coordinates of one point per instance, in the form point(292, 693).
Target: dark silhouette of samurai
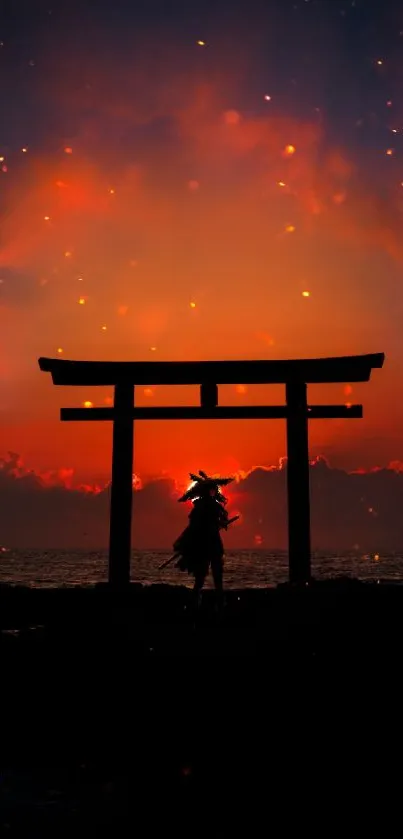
point(200, 546)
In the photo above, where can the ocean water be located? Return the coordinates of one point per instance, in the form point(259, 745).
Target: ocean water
point(243, 569)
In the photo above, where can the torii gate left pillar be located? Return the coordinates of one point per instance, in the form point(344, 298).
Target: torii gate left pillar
point(121, 486)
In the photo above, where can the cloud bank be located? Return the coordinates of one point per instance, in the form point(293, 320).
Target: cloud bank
point(349, 510)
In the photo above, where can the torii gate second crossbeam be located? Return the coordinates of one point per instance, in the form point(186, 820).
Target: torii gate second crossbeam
point(296, 374)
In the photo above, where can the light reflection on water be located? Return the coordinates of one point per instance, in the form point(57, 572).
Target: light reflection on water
point(243, 569)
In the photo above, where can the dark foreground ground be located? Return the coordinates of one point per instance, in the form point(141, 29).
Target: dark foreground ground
point(127, 715)
point(338, 619)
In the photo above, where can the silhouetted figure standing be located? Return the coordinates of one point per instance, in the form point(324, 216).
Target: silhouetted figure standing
point(200, 545)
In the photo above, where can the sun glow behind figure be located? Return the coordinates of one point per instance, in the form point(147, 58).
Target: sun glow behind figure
point(192, 484)
point(196, 498)
point(204, 481)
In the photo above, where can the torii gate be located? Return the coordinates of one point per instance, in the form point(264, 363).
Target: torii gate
point(124, 375)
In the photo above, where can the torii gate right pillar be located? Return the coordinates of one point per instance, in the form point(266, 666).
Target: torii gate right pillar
point(299, 525)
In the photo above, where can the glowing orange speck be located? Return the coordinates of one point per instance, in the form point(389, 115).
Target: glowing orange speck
point(241, 389)
point(111, 192)
point(201, 43)
point(87, 404)
point(153, 349)
point(59, 349)
point(68, 150)
point(339, 197)
point(289, 150)
point(280, 183)
point(67, 254)
point(264, 336)
point(46, 218)
point(390, 152)
point(82, 301)
point(306, 293)
point(192, 305)
point(148, 391)
point(290, 228)
point(24, 149)
point(108, 400)
point(348, 389)
point(232, 117)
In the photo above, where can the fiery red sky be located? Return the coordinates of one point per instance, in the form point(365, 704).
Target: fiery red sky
point(171, 186)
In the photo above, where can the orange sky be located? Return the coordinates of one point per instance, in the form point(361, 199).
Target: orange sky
point(203, 203)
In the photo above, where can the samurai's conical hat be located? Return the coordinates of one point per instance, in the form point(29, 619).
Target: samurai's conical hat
point(202, 484)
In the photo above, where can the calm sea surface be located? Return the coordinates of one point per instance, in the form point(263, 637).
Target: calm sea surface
point(243, 569)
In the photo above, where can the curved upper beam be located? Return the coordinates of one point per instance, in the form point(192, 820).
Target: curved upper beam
point(356, 368)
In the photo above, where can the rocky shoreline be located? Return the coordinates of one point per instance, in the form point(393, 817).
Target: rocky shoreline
point(325, 618)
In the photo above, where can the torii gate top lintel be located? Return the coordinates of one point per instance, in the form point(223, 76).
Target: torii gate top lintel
point(311, 370)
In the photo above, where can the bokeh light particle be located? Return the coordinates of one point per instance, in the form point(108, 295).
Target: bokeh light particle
point(232, 117)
